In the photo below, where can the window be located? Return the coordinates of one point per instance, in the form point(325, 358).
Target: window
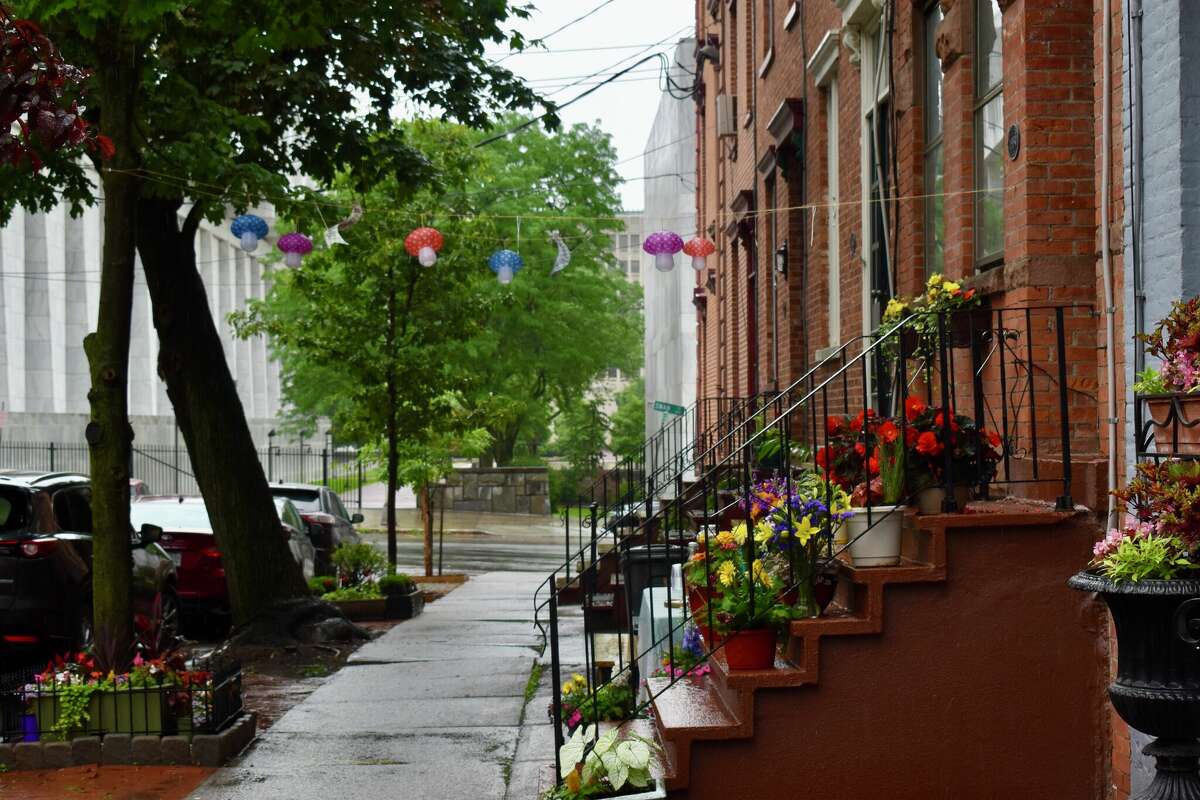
point(876, 173)
point(832, 217)
point(935, 203)
point(767, 22)
point(635, 241)
point(989, 134)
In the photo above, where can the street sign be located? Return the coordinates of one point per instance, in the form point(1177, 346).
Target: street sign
point(669, 408)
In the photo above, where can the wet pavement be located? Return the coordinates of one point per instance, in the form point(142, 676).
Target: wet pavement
point(433, 710)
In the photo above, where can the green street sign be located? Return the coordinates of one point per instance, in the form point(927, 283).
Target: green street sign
point(669, 408)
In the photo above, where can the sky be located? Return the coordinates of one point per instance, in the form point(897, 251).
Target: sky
point(625, 108)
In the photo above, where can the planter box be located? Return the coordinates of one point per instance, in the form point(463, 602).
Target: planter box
point(404, 606)
point(363, 609)
point(137, 711)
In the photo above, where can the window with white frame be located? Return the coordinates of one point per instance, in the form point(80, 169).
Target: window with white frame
point(876, 166)
point(935, 201)
point(989, 134)
point(832, 216)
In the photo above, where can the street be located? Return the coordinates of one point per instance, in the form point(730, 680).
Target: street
point(478, 553)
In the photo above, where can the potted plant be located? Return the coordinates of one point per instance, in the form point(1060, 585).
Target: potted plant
point(581, 705)
point(615, 764)
point(877, 516)
point(974, 455)
point(700, 576)
point(403, 599)
point(1148, 573)
point(922, 317)
point(358, 595)
point(1172, 393)
point(751, 612)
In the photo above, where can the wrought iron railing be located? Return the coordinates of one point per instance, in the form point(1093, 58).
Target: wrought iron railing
point(1026, 414)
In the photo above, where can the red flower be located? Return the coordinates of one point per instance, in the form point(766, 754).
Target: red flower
point(857, 423)
point(860, 448)
point(888, 432)
point(873, 464)
point(910, 437)
point(913, 407)
point(939, 421)
point(820, 457)
point(928, 445)
point(993, 438)
point(968, 294)
point(832, 425)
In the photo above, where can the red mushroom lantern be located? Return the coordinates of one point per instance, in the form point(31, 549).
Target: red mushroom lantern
point(699, 249)
point(423, 244)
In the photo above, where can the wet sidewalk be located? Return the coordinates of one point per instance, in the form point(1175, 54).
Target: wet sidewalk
point(431, 710)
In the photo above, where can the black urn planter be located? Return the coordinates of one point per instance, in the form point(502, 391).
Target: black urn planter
point(1157, 690)
point(404, 606)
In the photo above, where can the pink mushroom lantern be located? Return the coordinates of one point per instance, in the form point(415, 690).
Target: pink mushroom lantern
point(663, 245)
point(699, 249)
point(294, 247)
point(423, 244)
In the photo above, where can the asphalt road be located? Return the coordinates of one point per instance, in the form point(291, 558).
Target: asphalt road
point(477, 554)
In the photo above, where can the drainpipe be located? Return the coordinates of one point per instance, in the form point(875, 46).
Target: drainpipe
point(1110, 311)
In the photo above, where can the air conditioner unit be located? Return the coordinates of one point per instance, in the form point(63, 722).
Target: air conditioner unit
point(726, 115)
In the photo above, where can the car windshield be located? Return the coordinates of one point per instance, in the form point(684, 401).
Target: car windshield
point(12, 510)
point(286, 515)
point(171, 515)
point(305, 499)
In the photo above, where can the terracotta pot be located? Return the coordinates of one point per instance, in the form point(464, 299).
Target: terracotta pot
point(752, 649)
point(875, 536)
point(698, 597)
point(1165, 410)
point(929, 501)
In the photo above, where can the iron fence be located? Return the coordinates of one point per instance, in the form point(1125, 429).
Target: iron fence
point(202, 700)
point(167, 469)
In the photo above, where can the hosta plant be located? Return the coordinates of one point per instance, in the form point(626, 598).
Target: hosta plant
point(614, 764)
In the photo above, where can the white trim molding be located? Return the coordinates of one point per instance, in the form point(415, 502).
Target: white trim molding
point(824, 61)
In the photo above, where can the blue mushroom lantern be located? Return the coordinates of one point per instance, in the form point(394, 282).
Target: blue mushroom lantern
point(505, 263)
point(249, 228)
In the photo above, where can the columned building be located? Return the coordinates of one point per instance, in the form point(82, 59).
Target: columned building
point(49, 294)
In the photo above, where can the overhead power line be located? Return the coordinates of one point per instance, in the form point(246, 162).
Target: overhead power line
point(554, 52)
point(559, 29)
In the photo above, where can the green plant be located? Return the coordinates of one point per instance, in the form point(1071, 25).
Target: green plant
point(359, 562)
point(612, 702)
point(363, 591)
point(74, 702)
point(322, 584)
point(741, 607)
point(1137, 558)
point(396, 584)
point(1175, 342)
point(1150, 381)
point(616, 760)
point(891, 451)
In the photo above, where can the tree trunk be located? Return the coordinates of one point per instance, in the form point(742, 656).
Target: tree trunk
point(393, 439)
point(427, 524)
point(259, 568)
point(108, 433)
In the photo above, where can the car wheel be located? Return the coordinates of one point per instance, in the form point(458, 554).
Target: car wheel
point(168, 622)
point(85, 634)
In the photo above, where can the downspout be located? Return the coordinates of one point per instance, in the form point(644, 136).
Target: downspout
point(1110, 310)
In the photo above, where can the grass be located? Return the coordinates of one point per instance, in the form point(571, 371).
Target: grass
point(535, 679)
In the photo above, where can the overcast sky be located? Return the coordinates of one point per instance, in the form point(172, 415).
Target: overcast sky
point(624, 108)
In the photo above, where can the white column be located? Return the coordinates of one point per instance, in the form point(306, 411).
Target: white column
point(226, 273)
point(93, 251)
point(77, 287)
point(259, 345)
point(245, 371)
point(141, 374)
point(56, 287)
point(39, 391)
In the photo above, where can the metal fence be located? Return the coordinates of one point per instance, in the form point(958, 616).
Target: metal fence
point(167, 469)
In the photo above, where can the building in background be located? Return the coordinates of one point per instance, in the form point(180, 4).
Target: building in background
point(627, 251)
point(670, 204)
point(49, 295)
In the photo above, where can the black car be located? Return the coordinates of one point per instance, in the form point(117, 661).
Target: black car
point(329, 524)
point(46, 569)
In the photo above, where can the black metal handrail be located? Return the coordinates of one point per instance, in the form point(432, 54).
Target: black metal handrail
point(1001, 386)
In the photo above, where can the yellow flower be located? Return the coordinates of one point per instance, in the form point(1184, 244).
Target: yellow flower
point(760, 573)
point(804, 531)
point(934, 280)
point(763, 531)
point(724, 539)
point(725, 573)
point(950, 287)
point(739, 533)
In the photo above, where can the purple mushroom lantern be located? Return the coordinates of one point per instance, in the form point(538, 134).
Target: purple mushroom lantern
point(663, 245)
point(505, 263)
point(294, 247)
point(249, 228)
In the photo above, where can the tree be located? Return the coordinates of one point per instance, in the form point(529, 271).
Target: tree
point(218, 104)
point(629, 421)
point(545, 345)
point(376, 342)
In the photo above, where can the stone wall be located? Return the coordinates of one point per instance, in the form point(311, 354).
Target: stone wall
point(500, 490)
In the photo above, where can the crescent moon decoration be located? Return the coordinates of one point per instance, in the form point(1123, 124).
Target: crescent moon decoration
point(356, 213)
point(333, 235)
point(564, 253)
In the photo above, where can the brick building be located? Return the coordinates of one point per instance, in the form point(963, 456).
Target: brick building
point(848, 149)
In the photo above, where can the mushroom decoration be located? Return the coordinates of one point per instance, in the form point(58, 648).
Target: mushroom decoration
point(699, 249)
point(249, 228)
point(663, 245)
point(423, 244)
point(294, 247)
point(505, 263)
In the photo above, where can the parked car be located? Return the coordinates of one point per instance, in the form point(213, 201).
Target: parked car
point(329, 524)
point(46, 569)
point(138, 488)
point(187, 536)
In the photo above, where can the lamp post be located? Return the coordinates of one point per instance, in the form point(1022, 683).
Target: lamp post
point(271, 455)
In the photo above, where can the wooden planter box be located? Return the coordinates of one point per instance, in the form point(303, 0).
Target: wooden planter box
point(136, 711)
point(404, 606)
point(363, 609)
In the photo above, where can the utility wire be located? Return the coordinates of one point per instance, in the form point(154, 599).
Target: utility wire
point(619, 62)
point(559, 29)
point(573, 50)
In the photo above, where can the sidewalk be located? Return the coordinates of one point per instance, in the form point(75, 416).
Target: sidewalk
point(431, 710)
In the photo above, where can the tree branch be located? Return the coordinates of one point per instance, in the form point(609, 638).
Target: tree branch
point(191, 223)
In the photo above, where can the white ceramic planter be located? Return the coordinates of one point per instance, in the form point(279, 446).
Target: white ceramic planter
point(875, 535)
point(929, 501)
point(657, 793)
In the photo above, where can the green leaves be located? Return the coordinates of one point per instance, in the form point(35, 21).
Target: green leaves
point(1147, 557)
point(618, 758)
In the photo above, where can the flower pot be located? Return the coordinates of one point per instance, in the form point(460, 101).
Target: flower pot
point(363, 609)
point(968, 321)
point(1157, 689)
point(1165, 410)
point(875, 535)
point(929, 501)
point(751, 649)
point(404, 606)
point(133, 711)
point(657, 792)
